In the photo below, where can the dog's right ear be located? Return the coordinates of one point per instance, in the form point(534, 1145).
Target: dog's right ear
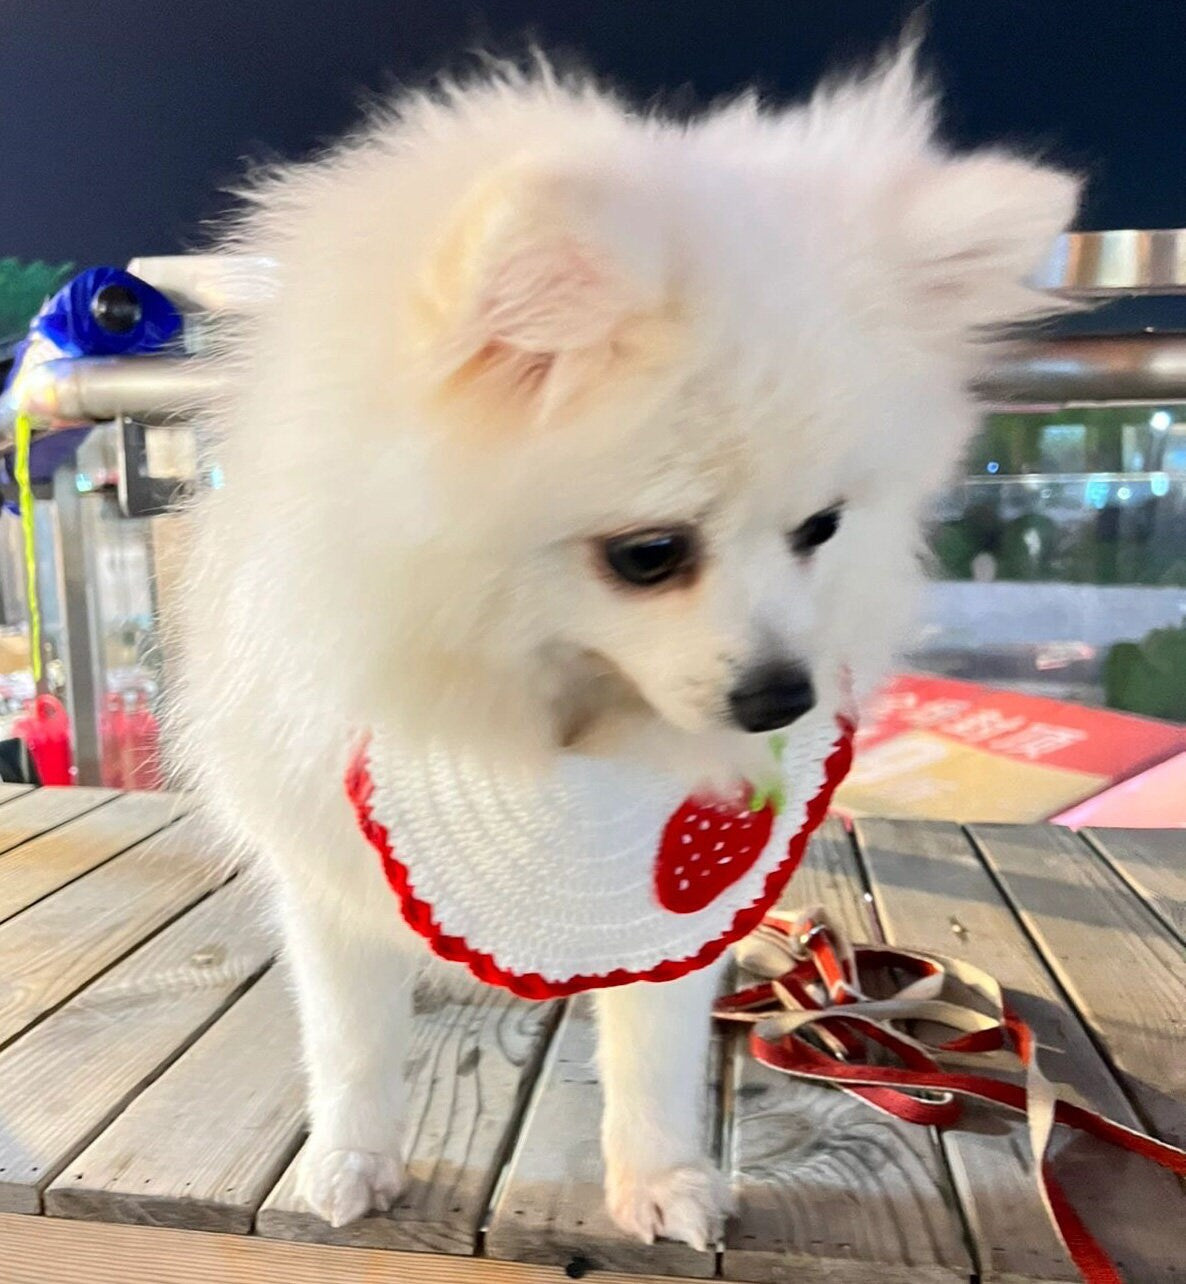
point(970, 231)
point(547, 282)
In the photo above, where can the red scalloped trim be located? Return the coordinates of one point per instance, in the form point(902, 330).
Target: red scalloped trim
point(530, 985)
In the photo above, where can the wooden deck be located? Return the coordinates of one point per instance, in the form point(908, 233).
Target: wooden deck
point(150, 1095)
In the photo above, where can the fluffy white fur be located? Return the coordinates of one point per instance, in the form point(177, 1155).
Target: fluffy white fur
point(511, 317)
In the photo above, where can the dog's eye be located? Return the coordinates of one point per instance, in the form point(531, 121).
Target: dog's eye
point(816, 530)
point(648, 558)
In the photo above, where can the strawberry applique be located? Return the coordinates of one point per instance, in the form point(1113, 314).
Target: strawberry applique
point(707, 845)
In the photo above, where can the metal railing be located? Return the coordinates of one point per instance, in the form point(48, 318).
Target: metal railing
point(162, 390)
point(1084, 369)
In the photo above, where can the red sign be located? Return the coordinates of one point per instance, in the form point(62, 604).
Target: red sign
point(944, 749)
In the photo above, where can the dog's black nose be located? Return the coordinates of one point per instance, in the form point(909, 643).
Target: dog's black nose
point(772, 697)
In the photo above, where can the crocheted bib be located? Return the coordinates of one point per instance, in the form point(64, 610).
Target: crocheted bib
point(600, 874)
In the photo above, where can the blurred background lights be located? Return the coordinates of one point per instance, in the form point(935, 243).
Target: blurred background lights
point(1095, 492)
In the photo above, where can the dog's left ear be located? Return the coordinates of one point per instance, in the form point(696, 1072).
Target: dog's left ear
point(548, 281)
point(972, 229)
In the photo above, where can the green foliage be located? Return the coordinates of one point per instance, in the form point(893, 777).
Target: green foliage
point(1025, 442)
point(1112, 547)
point(1045, 497)
point(1149, 677)
point(23, 289)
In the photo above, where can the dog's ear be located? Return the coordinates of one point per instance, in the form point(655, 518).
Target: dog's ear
point(960, 233)
point(972, 231)
point(544, 284)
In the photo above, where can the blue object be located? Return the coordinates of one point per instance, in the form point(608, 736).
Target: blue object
point(102, 312)
point(106, 312)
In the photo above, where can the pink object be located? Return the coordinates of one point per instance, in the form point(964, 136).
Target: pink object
point(45, 729)
point(112, 732)
point(130, 739)
point(143, 755)
point(1155, 799)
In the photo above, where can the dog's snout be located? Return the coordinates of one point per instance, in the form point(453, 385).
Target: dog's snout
point(772, 697)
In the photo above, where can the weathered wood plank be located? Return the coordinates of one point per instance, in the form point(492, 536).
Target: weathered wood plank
point(202, 1146)
point(59, 944)
point(10, 791)
point(35, 1250)
point(826, 1185)
point(35, 811)
point(472, 1060)
point(53, 859)
point(1153, 863)
point(933, 893)
point(551, 1207)
point(1121, 967)
point(830, 876)
point(69, 1076)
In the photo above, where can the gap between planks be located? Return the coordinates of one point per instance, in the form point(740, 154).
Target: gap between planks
point(10, 790)
point(1121, 968)
point(551, 1206)
point(64, 1081)
point(1153, 864)
point(37, 1249)
point(202, 1146)
point(39, 811)
point(53, 949)
point(474, 1054)
point(53, 859)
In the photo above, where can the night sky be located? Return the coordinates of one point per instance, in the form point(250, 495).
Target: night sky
point(121, 121)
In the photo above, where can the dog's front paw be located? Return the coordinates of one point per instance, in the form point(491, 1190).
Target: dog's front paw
point(341, 1185)
point(688, 1203)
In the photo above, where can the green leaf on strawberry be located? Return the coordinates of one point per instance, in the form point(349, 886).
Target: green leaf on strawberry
point(773, 795)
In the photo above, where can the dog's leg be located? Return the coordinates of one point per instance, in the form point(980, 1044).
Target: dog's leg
point(654, 1054)
point(354, 988)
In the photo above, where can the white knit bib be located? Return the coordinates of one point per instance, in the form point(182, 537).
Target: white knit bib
point(598, 874)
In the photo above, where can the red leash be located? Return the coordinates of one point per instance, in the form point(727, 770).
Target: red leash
point(817, 981)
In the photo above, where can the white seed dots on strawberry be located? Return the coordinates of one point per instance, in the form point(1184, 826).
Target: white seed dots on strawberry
point(717, 843)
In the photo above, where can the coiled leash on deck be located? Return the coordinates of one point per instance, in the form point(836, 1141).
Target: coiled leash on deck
point(817, 980)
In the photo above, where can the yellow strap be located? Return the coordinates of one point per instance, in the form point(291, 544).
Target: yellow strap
point(24, 438)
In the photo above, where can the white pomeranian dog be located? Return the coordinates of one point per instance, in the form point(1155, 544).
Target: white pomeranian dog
point(568, 429)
